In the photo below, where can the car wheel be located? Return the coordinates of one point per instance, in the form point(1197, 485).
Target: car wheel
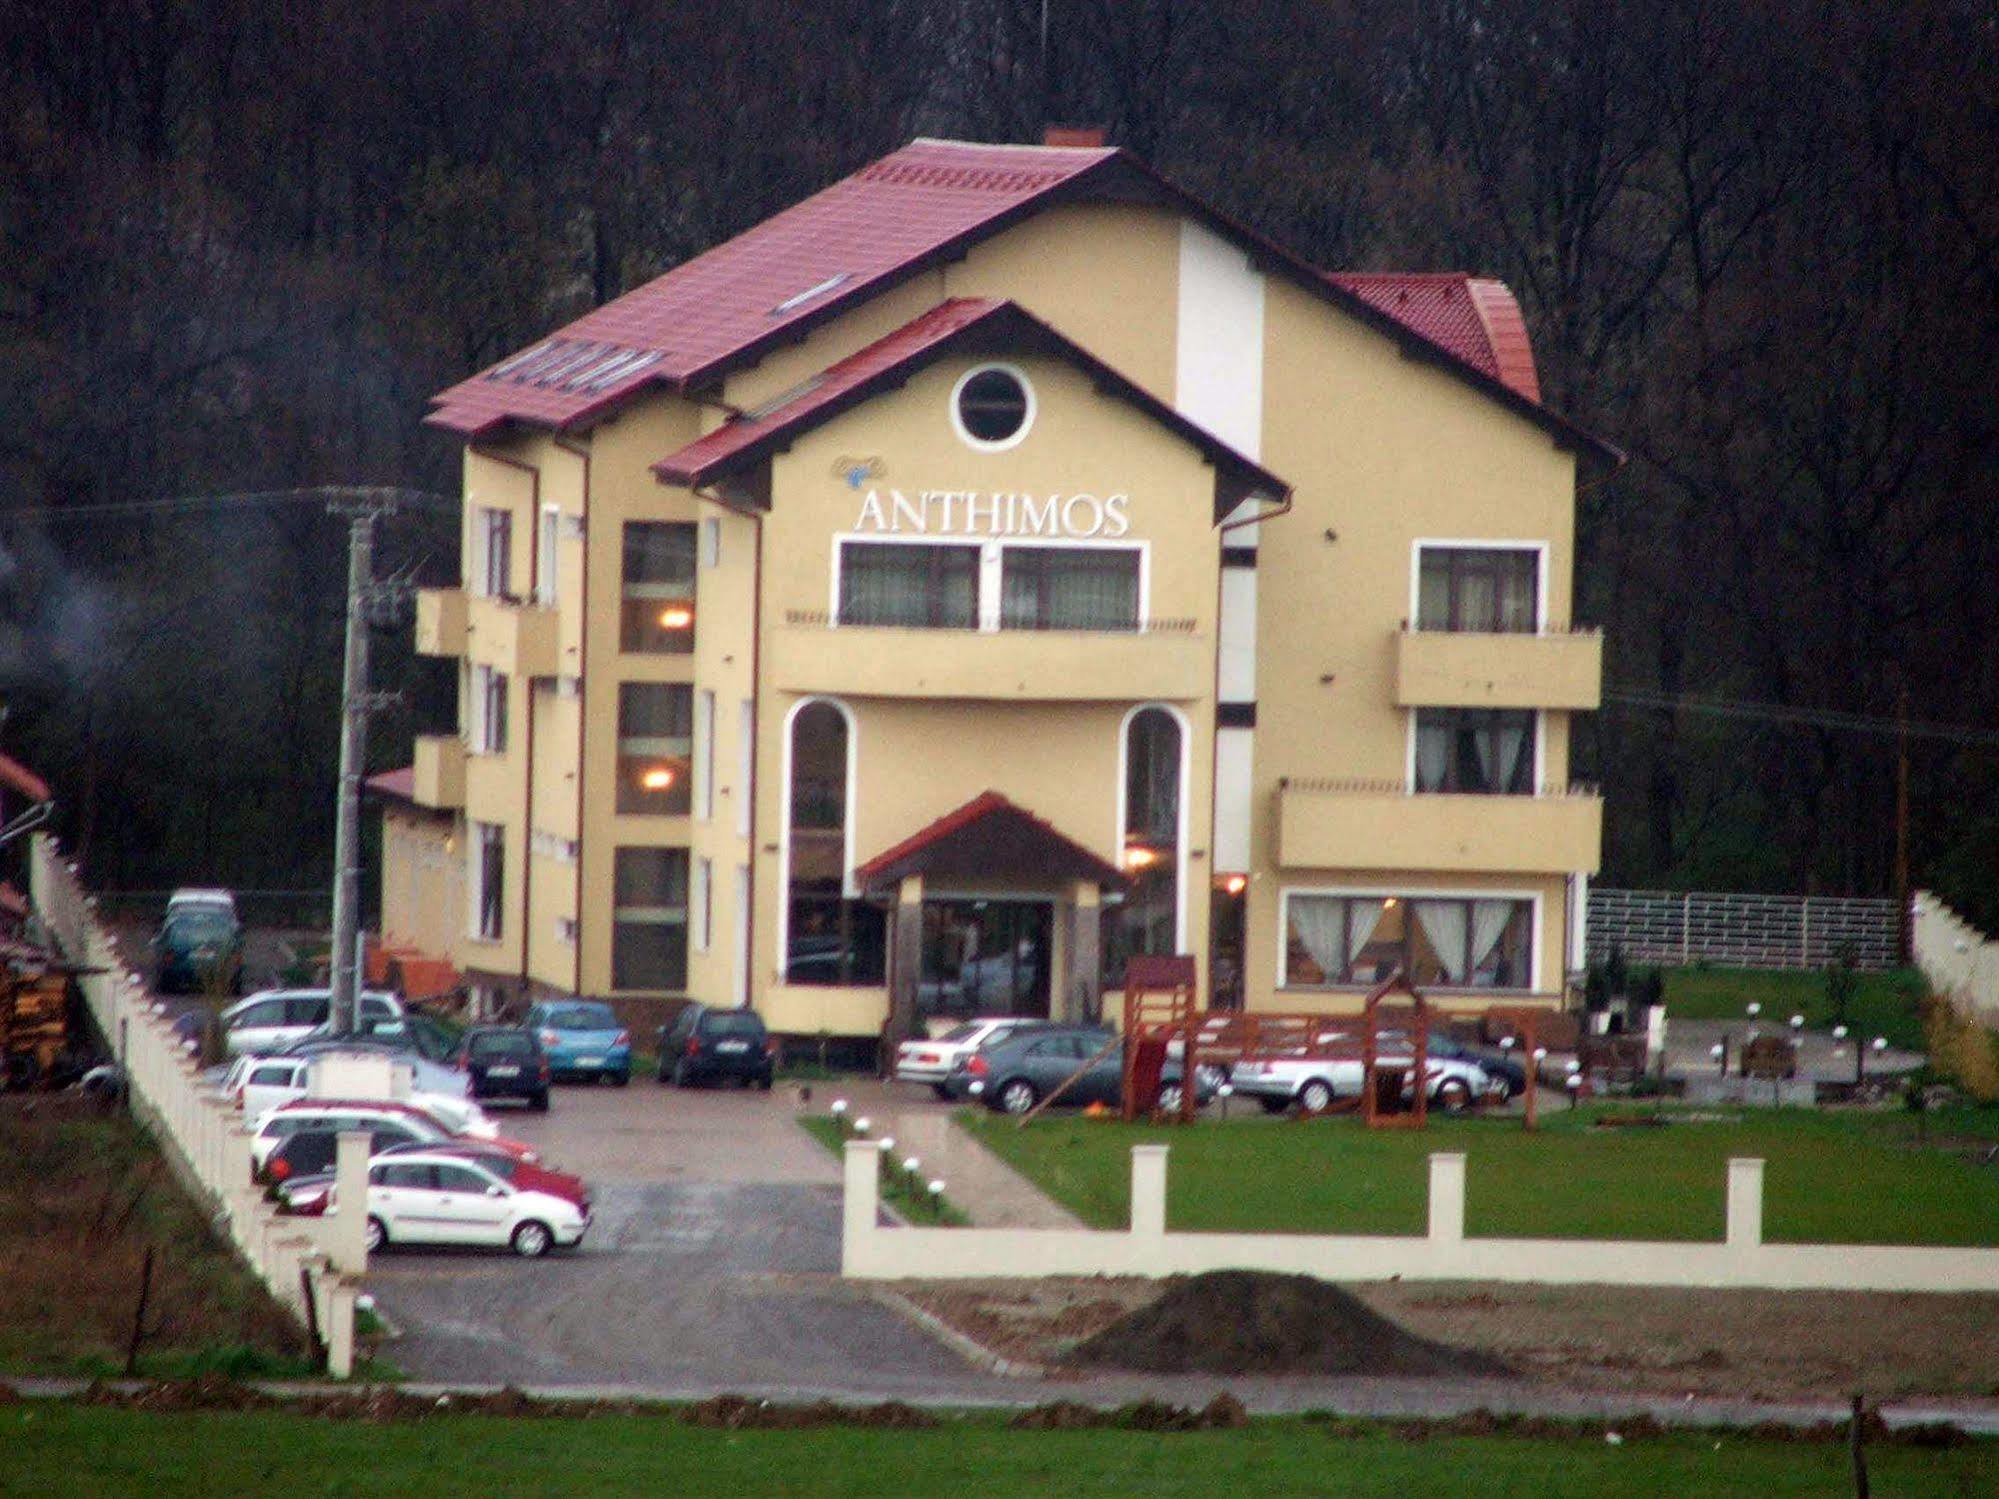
point(1453, 1097)
point(376, 1235)
point(1018, 1096)
point(1274, 1105)
point(619, 1079)
point(1169, 1098)
point(664, 1076)
point(941, 1091)
point(764, 1082)
point(539, 1103)
point(1316, 1096)
point(679, 1074)
point(532, 1240)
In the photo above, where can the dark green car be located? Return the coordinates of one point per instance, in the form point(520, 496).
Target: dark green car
point(198, 950)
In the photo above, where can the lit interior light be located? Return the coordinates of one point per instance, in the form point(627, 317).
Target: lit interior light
point(1235, 884)
point(676, 617)
point(1390, 903)
point(1140, 857)
point(657, 779)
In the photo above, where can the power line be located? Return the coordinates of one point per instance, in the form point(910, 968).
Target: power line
point(1780, 713)
point(310, 495)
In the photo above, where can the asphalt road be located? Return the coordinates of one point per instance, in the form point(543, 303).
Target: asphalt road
point(712, 1262)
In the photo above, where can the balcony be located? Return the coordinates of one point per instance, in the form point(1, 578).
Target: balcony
point(518, 639)
point(440, 622)
point(1379, 826)
point(1168, 660)
point(1448, 669)
point(439, 772)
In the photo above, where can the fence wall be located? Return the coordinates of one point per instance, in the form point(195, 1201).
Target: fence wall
point(201, 1134)
point(1740, 931)
point(871, 1250)
point(1957, 959)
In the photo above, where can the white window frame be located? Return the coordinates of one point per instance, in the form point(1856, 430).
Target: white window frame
point(548, 558)
point(1182, 852)
point(490, 520)
point(704, 754)
point(849, 890)
point(989, 606)
point(701, 901)
point(1480, 544)
point(708, 549)
point(980, 444)
point(1540, 755)
point(1408, 893)
point(746, 763)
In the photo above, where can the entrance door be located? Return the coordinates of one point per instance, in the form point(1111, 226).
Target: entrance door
point(985, 957)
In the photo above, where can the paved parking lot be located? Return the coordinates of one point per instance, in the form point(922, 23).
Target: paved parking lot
point(712, 1262)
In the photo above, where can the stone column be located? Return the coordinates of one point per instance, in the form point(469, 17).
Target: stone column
point(1080, 984)
point(347, 1244)
point(906, 938)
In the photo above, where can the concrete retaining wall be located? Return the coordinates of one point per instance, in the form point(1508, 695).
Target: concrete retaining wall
point(202, 1135)
point(872, 1251)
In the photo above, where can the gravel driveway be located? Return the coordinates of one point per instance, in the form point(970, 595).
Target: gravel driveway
point(713, 1261)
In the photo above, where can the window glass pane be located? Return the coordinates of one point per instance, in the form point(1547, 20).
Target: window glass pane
point(1477, 751)
point(649, 925)
point(648, 955)
point(460, 1179)
point(655, 747)
point(1069, 588)
point(659, 554)
point(1486, 589)
point(651, 877)
point(819, 768)
point(832, 940)
point(929, 586)
point(657, 612)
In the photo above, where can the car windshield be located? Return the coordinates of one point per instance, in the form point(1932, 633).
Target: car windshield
point(958, 1035)
point(583, 1018)
point(502, 1044)
point(199, 926)
point(732, 1023)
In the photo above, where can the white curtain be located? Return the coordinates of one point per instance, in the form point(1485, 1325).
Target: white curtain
point(1433, 751)
point(1444, 923)
point(1363, 916)
point(1315, 925)
point(1490, 919)
point(1512, 735)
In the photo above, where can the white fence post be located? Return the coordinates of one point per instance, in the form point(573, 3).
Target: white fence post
point(349, 1239)
point(1447, 1198)
point(860, 1203)
point(1745, 1203)
point(1148, 1191)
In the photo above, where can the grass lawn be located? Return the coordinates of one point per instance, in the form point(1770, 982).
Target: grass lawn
point(97, 1454)
point(82, 1197)
point(1883, 1004)
point(917, 1206)
point(1845, 1178)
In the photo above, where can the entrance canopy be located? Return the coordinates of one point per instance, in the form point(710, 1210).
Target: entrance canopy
point(988, 836)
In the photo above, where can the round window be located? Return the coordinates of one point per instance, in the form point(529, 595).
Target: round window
point(992, 407)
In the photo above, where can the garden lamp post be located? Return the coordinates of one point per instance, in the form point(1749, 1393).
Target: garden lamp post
point(1719, 1051)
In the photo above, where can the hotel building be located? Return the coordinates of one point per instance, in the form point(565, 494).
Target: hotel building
point(994, 565)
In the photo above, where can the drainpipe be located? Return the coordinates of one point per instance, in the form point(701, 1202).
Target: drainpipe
point(527, 713)
point(582, 455)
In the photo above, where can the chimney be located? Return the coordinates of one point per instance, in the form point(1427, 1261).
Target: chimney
point(1089, 137)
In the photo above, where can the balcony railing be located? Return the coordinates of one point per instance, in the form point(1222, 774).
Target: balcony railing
point(1559, 668)
point(1379, 825)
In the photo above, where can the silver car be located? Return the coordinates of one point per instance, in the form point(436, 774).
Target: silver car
point(272, 1019)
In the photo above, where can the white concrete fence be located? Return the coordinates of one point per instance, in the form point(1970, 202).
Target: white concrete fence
point(1741, 931)
point(872, 1250)
point(1958, 959)
point(202, 1134)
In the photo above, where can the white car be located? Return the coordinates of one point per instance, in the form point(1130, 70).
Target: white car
point(336, 1115)
point(272, 1019)
point(1313, 1083)
point(258, 1085)
point(425, 1197)
point(931, 1061)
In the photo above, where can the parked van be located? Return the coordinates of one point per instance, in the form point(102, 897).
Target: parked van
point(272, 1019)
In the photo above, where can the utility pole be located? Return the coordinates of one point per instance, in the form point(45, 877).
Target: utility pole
point(1903, 935)
point(362, 508)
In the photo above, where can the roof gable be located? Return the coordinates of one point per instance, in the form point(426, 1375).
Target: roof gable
point(988, 835)
point(915, 208)
point(964, 324)
point(1472, 318)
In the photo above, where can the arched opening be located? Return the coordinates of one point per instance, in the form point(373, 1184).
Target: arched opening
point(1148, 918)
point(829, 937)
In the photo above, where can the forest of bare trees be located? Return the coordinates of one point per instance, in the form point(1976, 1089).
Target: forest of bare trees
point(1757, 245)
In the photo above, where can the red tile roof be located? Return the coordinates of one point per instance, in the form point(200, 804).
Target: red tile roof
point(991, 324)
point(915, 208)
point(988, 835)
point(846, 241)
point(1472, 318)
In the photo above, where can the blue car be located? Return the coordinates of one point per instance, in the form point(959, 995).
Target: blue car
point(582, 1039)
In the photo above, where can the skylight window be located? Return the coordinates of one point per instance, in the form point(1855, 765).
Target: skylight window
point(799, 299)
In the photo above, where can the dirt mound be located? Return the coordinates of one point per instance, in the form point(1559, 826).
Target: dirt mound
point(1251, 1322)
point(738, 1412)
point(1223, 1413)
